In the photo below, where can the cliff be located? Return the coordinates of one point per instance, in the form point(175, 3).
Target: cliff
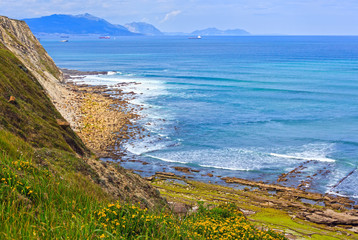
point(27, 74)
point(31, 86)
point(18, 38)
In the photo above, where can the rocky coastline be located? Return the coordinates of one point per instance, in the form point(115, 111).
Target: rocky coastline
point(69, 74)
point(104, 119)
point(327, 210)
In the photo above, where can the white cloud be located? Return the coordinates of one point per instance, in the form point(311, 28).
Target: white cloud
point(170, 15)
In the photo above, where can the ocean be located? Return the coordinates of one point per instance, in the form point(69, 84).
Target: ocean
point(251, 107)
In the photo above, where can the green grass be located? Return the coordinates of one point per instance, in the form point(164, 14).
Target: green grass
point(39, 200)
point(42, 193)
point(33, 116)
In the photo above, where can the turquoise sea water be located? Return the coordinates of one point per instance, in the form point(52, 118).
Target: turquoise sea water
point(250, 107)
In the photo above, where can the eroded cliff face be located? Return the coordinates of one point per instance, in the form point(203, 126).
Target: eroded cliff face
point(27, 72)
point(18, 38)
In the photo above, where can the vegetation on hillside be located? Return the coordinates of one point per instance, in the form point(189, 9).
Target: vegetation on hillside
point(31, 116)
point(41, 200)
point(48, 190)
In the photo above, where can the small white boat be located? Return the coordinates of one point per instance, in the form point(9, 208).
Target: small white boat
point(64, 40)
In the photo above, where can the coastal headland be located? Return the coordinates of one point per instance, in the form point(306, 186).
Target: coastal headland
point(53, 184)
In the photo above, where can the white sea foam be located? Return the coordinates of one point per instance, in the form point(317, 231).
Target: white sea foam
point(348, 186)
point(341, 194)
point(148, 87)
point(226, 158)
point(313, 158)
point(345, 189)
point(308, 152)
point(112, 73)
point(247, 159)
point(147, 145)
point(226, 168)
point(144, 88)
point(185, 162)
point(165, 159)
point(140, 147)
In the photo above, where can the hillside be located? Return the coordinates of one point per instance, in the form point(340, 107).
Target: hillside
point(75, 24)
point(35, 135)
point(143, 28)
point(27, 72)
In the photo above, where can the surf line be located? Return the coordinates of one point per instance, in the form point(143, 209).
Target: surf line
point(340, 181)
point(302, 158)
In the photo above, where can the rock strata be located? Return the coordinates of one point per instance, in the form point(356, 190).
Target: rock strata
point(289, 198)
point(331, 217)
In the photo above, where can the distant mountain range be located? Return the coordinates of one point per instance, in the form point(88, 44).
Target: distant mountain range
point(218, 32)
point(143, 28)
point(88, 24)
point(75, 24)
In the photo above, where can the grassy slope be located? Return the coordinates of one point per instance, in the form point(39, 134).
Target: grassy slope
point(39, 196)
point(41, 177)
point(33, 117)
point(46, 191)
point(42, 200)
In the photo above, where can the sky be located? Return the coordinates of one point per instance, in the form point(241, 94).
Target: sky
point(260, 17)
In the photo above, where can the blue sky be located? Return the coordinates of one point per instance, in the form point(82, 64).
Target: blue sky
point(294, 17)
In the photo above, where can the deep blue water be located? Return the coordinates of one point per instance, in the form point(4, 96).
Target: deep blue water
point(251, 107)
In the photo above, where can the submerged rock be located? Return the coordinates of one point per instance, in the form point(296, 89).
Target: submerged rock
point(183, 169)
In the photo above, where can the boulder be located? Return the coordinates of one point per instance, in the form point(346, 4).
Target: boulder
point(179, 208)
point(63, 123)
point(330, 217)
point(183, 169)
